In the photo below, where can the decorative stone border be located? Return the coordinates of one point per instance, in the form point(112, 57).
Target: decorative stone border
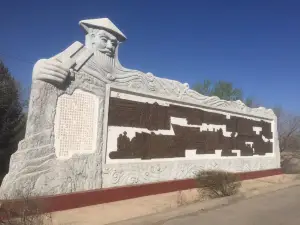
point(95, 197)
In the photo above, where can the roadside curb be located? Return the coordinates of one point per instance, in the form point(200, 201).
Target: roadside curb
point(190, 209)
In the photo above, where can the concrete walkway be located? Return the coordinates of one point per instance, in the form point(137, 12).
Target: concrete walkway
point(249, 190)
point(276, 208)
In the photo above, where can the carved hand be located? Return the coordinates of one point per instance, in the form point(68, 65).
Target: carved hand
point(51, 71)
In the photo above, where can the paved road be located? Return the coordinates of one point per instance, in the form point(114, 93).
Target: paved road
point(280, 207)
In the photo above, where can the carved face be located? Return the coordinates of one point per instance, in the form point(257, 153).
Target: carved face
point(104, 42)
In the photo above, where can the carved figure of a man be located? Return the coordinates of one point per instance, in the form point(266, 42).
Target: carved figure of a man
point(102, 39)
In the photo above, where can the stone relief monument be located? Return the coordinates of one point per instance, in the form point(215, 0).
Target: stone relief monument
point(93, 123)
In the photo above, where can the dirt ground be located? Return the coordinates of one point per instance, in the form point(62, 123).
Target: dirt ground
point(138, 207)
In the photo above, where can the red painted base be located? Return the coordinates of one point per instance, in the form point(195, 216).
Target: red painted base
point(94, 197)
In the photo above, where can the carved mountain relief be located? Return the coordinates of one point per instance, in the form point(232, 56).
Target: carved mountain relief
point(127, 113)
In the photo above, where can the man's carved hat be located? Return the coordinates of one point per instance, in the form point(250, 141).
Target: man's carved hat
point(103, 23)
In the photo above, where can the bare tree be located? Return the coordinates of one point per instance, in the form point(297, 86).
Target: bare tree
point(288, 126)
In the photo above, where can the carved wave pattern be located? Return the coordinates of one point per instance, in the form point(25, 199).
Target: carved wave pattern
point(87, 83)
point(132, 174)
point(147, 82)
point(137, 80)
point(137, 174)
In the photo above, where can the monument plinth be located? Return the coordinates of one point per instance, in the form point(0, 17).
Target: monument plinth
point(93, 123)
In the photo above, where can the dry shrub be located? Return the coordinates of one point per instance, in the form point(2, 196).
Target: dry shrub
point(180, 200)
point(24, 211)
point(217, 183)
point(290, 162)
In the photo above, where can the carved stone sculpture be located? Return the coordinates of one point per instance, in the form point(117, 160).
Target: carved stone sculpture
point(67, 146)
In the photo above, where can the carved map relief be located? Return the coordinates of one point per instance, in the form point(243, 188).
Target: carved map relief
point(76, 124)
point(147, 129)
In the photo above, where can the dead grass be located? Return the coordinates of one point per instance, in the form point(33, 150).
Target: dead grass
point(180, 199)
point(290, 162)
point(217, 183)
point(24, 211)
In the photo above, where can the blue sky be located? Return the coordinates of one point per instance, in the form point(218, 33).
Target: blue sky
point(253, 44)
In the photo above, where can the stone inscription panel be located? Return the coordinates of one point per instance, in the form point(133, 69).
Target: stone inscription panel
point(151, 130)
point(76, 123)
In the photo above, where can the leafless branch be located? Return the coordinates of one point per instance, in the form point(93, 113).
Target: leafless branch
point(288, 131)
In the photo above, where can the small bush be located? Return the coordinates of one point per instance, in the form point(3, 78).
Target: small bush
point(217, 183)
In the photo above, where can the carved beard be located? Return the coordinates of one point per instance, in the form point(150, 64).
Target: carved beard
point(107, 63)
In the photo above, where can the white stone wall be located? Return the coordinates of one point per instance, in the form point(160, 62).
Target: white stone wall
point(76, 130)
